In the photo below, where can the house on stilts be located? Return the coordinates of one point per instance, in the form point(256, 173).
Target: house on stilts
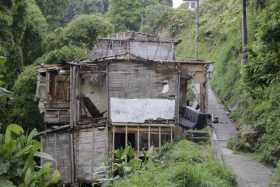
point(130, 91)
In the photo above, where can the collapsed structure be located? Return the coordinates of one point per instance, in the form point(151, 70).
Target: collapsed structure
point(129, 92)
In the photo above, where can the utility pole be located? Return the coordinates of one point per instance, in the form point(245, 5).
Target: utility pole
point(244, 32)
point(197, 30)
point(197, 25)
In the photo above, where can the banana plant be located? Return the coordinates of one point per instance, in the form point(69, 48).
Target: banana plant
point(125, 161)
point(17, 165)
point(5, 92)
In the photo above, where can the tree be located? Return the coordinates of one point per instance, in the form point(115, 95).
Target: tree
point(80, 7)
point(24, 109)
point(53, 11)
point(263, 69)
point(85, 29)
point(125, 14)
point(17, 164)
point(22, 26)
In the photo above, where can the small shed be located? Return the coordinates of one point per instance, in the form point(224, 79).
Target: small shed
point(129, 92)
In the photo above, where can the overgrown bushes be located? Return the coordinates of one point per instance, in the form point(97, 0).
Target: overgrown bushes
point(180, 164)
point(250, 92)
point(17, 165)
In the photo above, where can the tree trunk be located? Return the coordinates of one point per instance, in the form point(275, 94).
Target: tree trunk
point(244, 32)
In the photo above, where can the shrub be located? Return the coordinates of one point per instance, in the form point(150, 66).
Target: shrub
point(180, 164)
point(17, 164)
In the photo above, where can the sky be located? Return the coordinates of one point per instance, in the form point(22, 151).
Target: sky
point(177, 3)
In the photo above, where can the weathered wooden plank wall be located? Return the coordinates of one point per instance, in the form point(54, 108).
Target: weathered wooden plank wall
point(141, 91)
point(93, 86)
point(152, 50)
point(142, 80)
point(58, 146)
point(92, 155)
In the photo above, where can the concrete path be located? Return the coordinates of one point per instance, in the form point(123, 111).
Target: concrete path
point(249, 172)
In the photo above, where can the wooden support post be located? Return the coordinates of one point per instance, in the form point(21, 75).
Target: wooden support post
point(138, 139)
point(244, 32)
point(149, 138)
point(159, 137)
point(108, 93)
point(178, 96)
point(203, 101)
point(48, 85)
point(171, 134)
point(126, 137)
point(113, 148)
point(197, 30)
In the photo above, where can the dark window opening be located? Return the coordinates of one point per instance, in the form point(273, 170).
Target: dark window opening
point(154, 140)
point(59, 85)
point(119, 140)
point(193, 4)
point(131, 140)
point(144, 142)
point(165, 138)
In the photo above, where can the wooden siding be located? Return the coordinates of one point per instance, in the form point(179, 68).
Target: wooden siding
point(93, 86)
point(141, 80)
point(150, 50)
point(92, 150)
point(58, 146)
point(56, 116)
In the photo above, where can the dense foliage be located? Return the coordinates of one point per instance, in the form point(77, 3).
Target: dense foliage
point(180, 164)
point(56, 31)
point(17, 164)
point(250, 92)
point(29, 41)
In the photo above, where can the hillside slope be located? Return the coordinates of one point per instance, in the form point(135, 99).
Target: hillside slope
point(250, 92)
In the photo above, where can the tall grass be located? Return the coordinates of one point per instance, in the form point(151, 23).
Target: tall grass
point(183, 164)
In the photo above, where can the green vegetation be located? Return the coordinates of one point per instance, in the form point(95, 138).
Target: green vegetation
point(126, 161)
point(180, 164)
point(250, 92)
point(17, 164)
point(56, 31)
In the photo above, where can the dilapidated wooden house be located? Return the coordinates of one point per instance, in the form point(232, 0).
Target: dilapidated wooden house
point(130, 91)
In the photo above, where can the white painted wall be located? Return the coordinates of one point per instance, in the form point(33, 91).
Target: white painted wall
point(139, 110)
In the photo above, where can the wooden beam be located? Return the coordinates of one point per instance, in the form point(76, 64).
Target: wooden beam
point(159, 137)
point(154, 130)
point(138, 141)
point(108, 93)
point(125, 136)
point(149, 138)
point(113, 148)
point(177, 110)
point(244, 32)
point(143, 124)
point(171, 134)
